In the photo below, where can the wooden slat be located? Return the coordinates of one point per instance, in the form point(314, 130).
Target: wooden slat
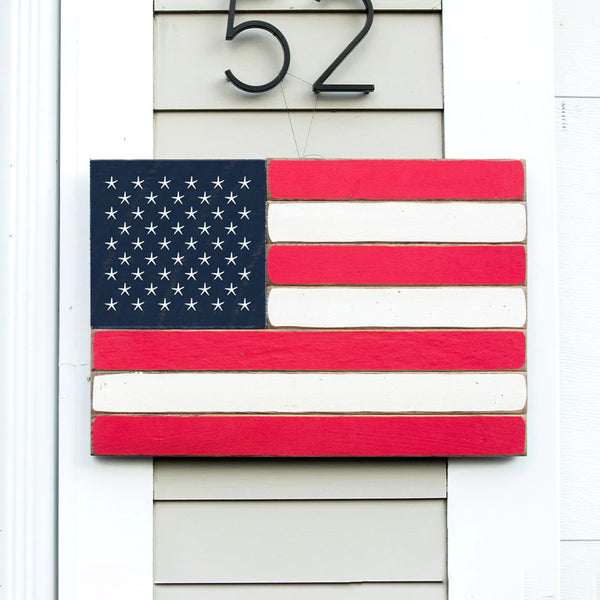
point(580, 569)
point(344, 134)
point(468, 307)
point(331, 591)
point(272, 479)
point(308, 392)
point(295, 541)
point(192, 55)
point(462, 222)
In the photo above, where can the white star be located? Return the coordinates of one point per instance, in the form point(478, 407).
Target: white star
point(125, 228)
point(111, 213)
point(137, 305)
point(177, 198)
point(244, 213)
point(204, 198)
point(204, 228)
point(204, 289)
point(217, 305)
point(125, 289)
point(177, 229)
point(164, 183)
point(138, 183)
point(151, 259)
point(111, 245)
point(151, 289)
point(164, 244)
point(178, 290)
point(245, 183)
point(112, 183)
point(124, 198)
point(231, 198)
point(245, 304)
point(191, 274)
point(112, 305)
point(124, 259)
point(151, 229)
point(218, 244)
point(137, 214)
point(111, 274)
point(137, 245)
point(231, 289)
point(164, 274)
point(191, 213)
point(218, 274)
point(245, 274)
point(245, 244)
point(164, 305)
point(152, 198)
point(217, 213)
point(191, 305)
point(191, 183)
point(191, 244)
point(231, 228)
point(231, 258)
point(164, 213)
point(177, 260)
point(218, 183)
point(204, 259)
point(138, 274)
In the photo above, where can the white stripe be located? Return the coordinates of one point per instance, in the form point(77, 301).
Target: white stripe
point(396, 222)
point(308, 392)
point(397, 307)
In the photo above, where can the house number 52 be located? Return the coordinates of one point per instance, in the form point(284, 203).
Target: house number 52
point(319, 85)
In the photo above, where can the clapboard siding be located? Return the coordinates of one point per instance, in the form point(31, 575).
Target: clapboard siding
point(341, 134)
point(191, 56)
point(295, 5)
point(274, 479)
point(344, 591)
point(300, 541)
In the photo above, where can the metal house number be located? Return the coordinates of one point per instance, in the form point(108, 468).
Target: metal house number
point(319, 85)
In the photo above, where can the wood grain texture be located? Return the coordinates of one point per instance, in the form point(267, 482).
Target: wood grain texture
point(465, 307)
point(397, 180)
point(295, 5)
point(308, 392)
point(308, 350)
point(397, 265)
point(461, 222)
point(580, 569)
point(299, 541)
point(308, 479)
point(308, 436)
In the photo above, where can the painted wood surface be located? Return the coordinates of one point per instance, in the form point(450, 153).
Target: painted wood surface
point(297, 591)
point(308, 392)
point(397, 265)
point(580, 569)
point(195, 43)
point(242, 542)
point(309, 435)
point(227, 134)
point(308, 350)
point(296, 5)
point(308, 479)
point(467, 307)
point(460, 222)
point(397, 180)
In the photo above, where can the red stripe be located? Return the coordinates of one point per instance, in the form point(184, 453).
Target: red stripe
point(308, 436)
point(397, 265)
point(308, 350)
point(397, 179)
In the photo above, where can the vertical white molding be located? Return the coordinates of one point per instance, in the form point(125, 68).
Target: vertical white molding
point(503, 535)
point(29, 40)
point(105, 519)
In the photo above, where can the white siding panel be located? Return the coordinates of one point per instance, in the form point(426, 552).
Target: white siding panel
point(295, 5)
point(300, 541)
point(191, 56)
point(256, 479)
point(580, 570)
point(343, 134)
